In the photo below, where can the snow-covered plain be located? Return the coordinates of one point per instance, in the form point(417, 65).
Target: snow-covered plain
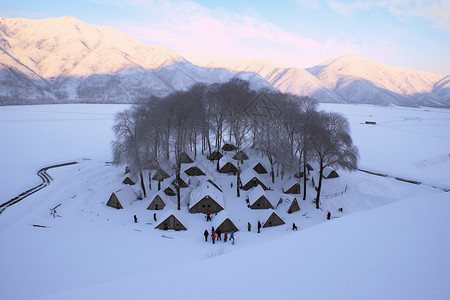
point(397, 251)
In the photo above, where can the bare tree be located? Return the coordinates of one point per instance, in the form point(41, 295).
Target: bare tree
point(332, 144)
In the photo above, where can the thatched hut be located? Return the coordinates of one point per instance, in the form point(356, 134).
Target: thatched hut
point(294, 206)
point(258, 199)
point(250, 179)
point(273, 220)
point(171, 222)
point(206, 198)
point(123, 196)
point(292, 186)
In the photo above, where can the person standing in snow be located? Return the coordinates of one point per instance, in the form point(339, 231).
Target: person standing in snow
point(328, 215)
point(154, 217)
point(259, 226)
point(135, 219)
point(232, 236)
point(294, 227)
point(218, 232)
point(208, 216)
point(249, 226)
point(206, 235)
point(225, 237)
point(213, 237)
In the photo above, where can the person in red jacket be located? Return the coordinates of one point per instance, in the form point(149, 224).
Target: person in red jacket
point(213, 236)
point(225, 237)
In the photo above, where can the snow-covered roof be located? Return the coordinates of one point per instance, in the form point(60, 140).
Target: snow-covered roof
point(206, 189)
point(164, 198)
point(290, 183)
point(227, 159)
point(256, 193)
point(248, 175)
point(174, 212)
point(327, 171)
point(126, 195)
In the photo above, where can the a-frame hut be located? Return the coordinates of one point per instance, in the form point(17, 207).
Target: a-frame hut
point(183, 181)
point(250, 179)
point(228, 146)
point(206, 198)
point(227, 166)
point(158, 202)
point(169, 191)
point(215, 155)
point(240, 155)
point(294, 206)
point(129, 181)
point(171, 222)
point(292, 186)
point(273, 220)
point(194, 171)
point(160, 174)
point(121, 197)
point(329, 173)
point(258, 199)
point(223, 223)
point(259, 168)
point(186, 158)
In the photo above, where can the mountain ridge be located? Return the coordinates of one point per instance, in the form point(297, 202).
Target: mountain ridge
point(67, 60)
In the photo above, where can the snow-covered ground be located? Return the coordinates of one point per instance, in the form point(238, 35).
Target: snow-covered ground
point(397, 251)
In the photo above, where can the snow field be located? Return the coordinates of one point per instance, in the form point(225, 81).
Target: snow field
point(397, 251)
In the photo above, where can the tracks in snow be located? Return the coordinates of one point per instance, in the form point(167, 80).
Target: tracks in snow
point(46, 179)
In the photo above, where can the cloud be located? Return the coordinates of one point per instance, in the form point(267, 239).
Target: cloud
point(200, 34)
point(348, 9)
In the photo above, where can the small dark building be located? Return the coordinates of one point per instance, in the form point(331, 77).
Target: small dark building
point(127, 180)
point(291, 187)
point(182, 181)
point(258, 199)
point(229, 147)
point(157, 203)
point(227, 167)
point(216, 155)
point(206, 198)
point(169, 191)
point(120, 197)
point(250, 179)
point(329, 173)
point(160, 175)
point(259, 168)
point(226, 226)
point(273, 220)
point(240, 155)
point(186, 158)
point(114, 202)
point(293, 207)
point(194, 171)
point(171, 222)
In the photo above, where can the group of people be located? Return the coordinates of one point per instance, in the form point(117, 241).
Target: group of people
point(216, 234)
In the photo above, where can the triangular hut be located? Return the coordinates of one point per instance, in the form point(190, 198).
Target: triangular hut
point(206, 198)
point(273, 220)
point(292, 186)
point(194, 171)
point(128, 180)
point(158, 202)
point(160, 174)
point(258, 199)
point(120, 197)
point(171, 222)
point(186, 158)
point(250, 179)
point(215, 155)
point(329, 173)
point(228, 146)
point(293, 207)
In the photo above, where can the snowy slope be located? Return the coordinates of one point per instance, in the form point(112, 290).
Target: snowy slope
point(359, 80)
point(93, 251)
point(65, 59)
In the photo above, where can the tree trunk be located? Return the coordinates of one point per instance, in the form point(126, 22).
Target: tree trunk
point(319, 186)
point(150, 180)
point(143, 185)
point(238, 192)
point(178, 190)
point(159, 185)
point(304, 179)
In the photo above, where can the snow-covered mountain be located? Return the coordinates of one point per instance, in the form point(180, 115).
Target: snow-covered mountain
point(351, 79)
point(65, 59)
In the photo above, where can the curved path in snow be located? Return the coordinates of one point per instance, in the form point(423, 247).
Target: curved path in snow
point(46, 179)
point(412, 181)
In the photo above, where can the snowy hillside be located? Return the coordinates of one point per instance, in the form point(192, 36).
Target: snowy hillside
point(65, 59)
point(359, 80)
point(388, 243)
point(290, 80)
point(351, 79)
